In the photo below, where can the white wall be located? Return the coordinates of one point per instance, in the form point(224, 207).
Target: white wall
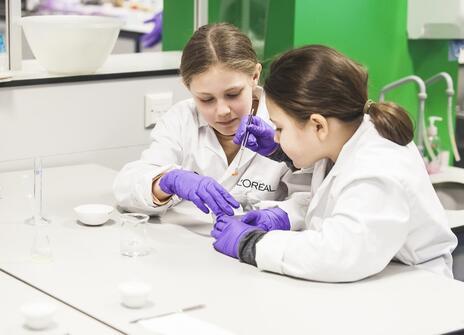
point(98, 121)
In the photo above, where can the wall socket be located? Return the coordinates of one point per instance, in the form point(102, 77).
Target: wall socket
point(155, 106)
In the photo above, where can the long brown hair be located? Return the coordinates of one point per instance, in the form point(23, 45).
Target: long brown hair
point(219, 43)
point(318, 79)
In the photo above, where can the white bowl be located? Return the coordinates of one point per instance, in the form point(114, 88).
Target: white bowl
point(134, 294)
point(71, 44)
point(38, 315)
point(93, 214)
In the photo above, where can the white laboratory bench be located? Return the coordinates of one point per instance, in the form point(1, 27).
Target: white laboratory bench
point(14, 294)
point(453, 194)
point(185, 270)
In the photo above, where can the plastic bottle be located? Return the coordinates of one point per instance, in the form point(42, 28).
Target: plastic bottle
point(436, 163)
point(432, 133)
point(5, 73)
point(3, 56)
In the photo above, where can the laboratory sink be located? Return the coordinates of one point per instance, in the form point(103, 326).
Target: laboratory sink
point(449, 185)
point(451, 195)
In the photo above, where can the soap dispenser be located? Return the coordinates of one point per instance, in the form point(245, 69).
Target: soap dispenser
point(441, 157)
point(432, 133)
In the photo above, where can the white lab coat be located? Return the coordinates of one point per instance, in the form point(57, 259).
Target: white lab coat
point(183, 139)
point(376, 204)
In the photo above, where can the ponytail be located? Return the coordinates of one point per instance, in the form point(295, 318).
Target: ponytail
point(391, 121)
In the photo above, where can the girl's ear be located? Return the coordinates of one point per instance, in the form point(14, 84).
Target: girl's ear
point(320, 126)
point(257, 74)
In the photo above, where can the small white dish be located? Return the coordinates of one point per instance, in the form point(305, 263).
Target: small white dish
point(38, 315)
point(93, 214)
point(134, 294)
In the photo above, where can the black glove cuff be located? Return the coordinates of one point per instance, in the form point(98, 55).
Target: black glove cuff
point(279, 156)
point(247, 246)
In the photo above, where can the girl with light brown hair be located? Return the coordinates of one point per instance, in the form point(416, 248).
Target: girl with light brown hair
point(192, 155)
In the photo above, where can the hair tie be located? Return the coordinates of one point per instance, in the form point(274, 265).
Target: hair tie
point(367, 106)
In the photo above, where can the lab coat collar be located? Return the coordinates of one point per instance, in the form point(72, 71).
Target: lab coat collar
point(262, 108)
point(228, 180)
point(351, 144)
point(319, 181)
point(201, 120)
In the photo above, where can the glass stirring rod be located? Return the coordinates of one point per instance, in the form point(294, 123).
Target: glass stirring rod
point(244, 141)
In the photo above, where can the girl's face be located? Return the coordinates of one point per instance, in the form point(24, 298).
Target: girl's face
point(224, 96)
point(303, 144)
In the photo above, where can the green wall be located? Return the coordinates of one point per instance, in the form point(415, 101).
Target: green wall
point(177, 23)
point(276, 17)
point(374, 33)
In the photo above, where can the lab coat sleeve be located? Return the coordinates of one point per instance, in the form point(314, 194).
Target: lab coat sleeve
point(366, 228)
point(296, 204)
point(296, 207)
point(133, 185)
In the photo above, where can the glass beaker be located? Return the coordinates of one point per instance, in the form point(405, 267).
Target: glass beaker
point(134, 239)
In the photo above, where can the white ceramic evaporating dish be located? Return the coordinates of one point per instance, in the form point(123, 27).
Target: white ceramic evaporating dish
point(93, 214)
point(134, 294)
point(38, 315)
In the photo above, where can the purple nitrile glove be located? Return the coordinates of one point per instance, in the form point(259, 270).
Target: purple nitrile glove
point(202, 191)
point(154, 36)
point(260, 138)
point(228, 232)
point(268, 219)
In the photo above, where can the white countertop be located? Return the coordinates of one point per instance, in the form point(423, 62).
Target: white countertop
point(185, 270)
point(14, 294)
point(451, 175)
point(115, 64)
point(448, 174)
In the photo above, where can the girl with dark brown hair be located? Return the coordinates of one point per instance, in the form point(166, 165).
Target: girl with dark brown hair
point(372, 200)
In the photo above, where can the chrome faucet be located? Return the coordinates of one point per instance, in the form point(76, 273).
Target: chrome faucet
point(449, 92)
